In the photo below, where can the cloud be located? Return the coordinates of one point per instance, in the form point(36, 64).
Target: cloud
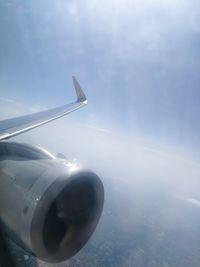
point(9, 100)
point(128, 46)
point(11, 108)
point(190, 200)
point(118, 155)
point(93, 127)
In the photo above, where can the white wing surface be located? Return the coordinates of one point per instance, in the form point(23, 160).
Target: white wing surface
point(18, 125)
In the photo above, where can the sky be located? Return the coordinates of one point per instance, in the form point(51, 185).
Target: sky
point(138, 62)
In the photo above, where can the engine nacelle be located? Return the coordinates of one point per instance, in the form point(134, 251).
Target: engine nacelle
point(47, 206)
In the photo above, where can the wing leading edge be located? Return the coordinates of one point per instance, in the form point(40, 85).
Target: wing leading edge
point(18, 125)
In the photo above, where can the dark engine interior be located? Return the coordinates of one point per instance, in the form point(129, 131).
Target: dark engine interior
point(70, 219)
point(71, 211)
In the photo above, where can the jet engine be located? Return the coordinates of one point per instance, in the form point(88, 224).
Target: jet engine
point(47, 205)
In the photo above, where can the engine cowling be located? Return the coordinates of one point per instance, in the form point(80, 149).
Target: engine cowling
point(47, 206)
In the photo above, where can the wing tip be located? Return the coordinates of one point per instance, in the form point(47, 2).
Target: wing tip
point(79, 92)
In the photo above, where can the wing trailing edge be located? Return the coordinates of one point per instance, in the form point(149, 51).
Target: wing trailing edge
point(15, 126)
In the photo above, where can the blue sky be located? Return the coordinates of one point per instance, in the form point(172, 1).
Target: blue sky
point(138, 62)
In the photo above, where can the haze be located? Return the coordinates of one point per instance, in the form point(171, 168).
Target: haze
point(138, 63)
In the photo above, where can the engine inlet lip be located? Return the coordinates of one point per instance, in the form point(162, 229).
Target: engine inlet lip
point(38, 245)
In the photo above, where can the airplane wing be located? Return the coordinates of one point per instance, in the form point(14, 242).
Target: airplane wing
point(15, 126)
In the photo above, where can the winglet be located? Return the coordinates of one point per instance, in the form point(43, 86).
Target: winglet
point(80, 95)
